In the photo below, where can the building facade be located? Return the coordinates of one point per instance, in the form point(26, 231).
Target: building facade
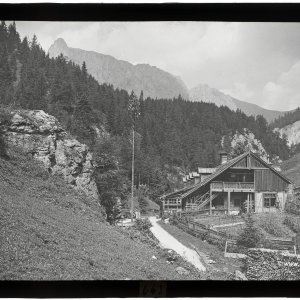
point(246, 183)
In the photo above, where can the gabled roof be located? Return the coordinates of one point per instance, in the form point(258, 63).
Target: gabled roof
point(184, 193)
point(177, 193)
point(218, 171)
point(271, 167)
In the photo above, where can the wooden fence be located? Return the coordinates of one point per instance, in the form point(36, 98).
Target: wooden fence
point(201, 212)
point(201, 230)
point(198, 229)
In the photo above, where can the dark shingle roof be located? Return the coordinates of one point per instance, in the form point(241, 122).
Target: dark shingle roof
point(218, 171)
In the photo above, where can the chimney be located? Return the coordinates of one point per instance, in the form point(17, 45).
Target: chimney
point(223, 157)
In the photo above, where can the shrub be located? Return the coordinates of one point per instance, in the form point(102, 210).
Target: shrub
point(273, 224)
point(4, 119)
point(3, 152)
point(143, 225)
point(251, 236)
point(292, 223)
point(174, 220)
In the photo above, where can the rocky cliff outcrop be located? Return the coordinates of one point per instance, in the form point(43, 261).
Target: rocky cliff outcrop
point(154, 82)
point(292, 133)
point(41, 136)
point(245, 141)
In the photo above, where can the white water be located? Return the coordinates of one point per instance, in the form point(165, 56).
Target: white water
point(168, 241)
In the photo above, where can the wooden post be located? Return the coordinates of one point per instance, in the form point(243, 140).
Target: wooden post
point(249, 203)
point(210, 202)
point(225, 249)
point(228, 203)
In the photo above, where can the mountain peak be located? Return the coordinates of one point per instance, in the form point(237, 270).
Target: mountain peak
point(60, 42)
point(154, 82)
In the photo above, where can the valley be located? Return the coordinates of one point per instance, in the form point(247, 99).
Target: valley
point(88, 141)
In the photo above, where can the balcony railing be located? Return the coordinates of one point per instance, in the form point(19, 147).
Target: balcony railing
point(225, 186)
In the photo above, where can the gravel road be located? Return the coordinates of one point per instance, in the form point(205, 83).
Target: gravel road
point(168, 241)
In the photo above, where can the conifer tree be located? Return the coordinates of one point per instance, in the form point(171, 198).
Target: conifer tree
point(251, 236)
point(6, 75)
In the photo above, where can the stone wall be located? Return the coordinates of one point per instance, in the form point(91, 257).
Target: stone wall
point(41, 136)
point(265, 264)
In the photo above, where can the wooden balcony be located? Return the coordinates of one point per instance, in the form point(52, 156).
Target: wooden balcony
point(221, 186)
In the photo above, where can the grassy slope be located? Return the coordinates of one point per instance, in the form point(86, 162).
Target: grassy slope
point(48, 232)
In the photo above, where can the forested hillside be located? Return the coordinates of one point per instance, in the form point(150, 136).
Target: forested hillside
point(171, 133)
point(287, 119)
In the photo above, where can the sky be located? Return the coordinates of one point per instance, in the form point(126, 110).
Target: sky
point(254, 62)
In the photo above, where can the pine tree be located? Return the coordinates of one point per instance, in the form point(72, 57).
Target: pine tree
point(6, 75)
point(13, 38)
point(251, 236)
point(3, 33)
point(141, 104)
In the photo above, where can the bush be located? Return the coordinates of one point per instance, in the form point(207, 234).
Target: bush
point(292, 223)
point(251, 236)
point(4, 119)
point(143, 225)
point(174, 220)
point(3, 152)
point(273, 224)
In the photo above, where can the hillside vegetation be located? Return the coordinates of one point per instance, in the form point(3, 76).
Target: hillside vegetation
point(287, 119)
point(49, 232)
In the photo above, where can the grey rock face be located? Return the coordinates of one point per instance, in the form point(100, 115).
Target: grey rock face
point(292, 132)
point(41, 135)
point(204, 93)
point(106, 69)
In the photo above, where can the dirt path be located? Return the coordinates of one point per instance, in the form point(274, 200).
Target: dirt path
point(168, 241)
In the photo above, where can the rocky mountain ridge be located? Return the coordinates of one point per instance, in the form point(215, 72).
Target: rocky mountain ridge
point(205, 93)
point(153, 81)
point(42, 137)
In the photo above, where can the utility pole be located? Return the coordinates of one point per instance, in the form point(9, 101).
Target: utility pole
point(132, 175)
point(134, 109)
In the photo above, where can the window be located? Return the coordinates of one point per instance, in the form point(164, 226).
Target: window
point(270, 200)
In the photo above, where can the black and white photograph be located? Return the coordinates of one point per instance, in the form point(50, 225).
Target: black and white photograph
point(149, 150)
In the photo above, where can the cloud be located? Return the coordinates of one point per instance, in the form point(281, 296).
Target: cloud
point(240, 91)
point(285, 92)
